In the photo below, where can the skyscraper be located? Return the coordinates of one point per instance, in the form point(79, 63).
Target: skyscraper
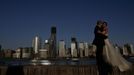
point(19, 53)
point(36, 44)
point(86, 49)
point(46, 45)
point(82, 49)
point(68, 52)
point(62, 49)
point(52, 43)
point(73, 50)
point(43, 53)
point(74, 47)
point(125, 51)
point(26, 52)
point(132, 49)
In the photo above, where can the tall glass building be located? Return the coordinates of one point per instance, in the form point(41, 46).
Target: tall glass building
point(52, 43)
point(62, 49)
point(36, 44)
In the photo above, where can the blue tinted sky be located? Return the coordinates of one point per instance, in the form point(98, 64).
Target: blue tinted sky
point(21, 20)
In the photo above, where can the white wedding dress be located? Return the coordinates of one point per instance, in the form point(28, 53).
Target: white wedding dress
point(114, 57)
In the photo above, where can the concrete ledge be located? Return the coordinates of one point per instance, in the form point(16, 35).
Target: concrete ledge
point(57, 70)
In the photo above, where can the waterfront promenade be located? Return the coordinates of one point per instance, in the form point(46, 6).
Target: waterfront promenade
point(57, 70)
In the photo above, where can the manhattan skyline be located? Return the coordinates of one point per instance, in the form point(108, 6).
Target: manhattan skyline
point(21, 21)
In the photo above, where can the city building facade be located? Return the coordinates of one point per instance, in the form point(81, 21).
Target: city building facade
point(62, 48)
point(52, 43)
point(36, 44)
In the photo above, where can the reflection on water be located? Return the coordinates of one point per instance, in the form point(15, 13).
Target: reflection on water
point(53, 62)
point(49, 62)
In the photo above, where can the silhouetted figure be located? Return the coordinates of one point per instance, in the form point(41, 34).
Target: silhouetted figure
point(103, 67)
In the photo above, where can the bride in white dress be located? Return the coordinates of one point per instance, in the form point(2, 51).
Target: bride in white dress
point(111, 55)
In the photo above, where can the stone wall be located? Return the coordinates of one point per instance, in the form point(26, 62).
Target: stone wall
point(57, 70)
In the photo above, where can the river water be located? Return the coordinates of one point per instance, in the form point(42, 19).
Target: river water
point(75, 61)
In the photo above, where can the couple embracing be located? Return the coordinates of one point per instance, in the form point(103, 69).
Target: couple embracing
point(106, 55)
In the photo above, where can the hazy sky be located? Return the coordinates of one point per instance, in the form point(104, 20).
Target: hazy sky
point(22, 20)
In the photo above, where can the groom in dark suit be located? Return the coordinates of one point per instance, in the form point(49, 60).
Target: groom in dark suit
point(99, 43)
